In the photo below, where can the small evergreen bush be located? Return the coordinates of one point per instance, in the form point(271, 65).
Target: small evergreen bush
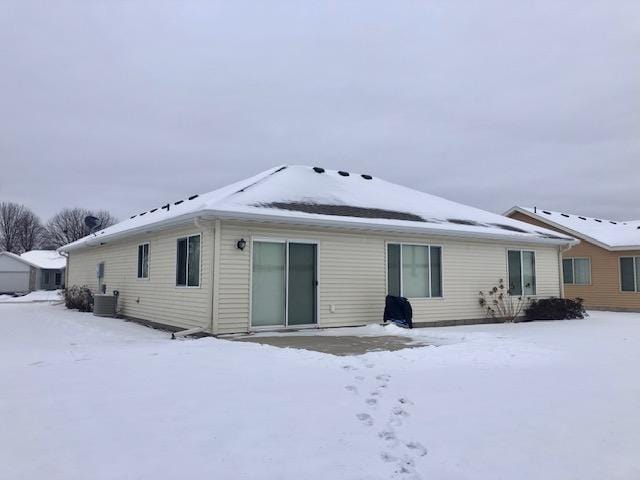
point(555, 309)
point(79, 298)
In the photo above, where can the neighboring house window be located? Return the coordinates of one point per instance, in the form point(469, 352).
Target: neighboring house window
point(576, 271)
point(46, 277)
point(58, 278)
point(414, 271)
point(522, 272)
point(630, 274)
point(188, 261)
point(143, 260)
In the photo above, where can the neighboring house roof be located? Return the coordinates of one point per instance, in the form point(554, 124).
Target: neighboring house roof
point(314, 196)
point(608, 234)
point(47, 259)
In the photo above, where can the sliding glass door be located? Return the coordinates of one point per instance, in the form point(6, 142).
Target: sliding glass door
point(268, 290)
point(284, 284)
point(302, 284)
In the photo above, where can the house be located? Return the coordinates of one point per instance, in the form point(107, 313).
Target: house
point(297, 246)
point(34, 270)
point(604, 268)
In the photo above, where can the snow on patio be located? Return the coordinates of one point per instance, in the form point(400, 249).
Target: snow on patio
point(85, 397)
point(35, 296)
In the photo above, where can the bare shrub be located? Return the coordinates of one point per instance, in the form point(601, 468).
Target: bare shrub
point(498, 303)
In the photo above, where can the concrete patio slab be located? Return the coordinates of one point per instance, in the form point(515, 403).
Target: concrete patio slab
point(343, 345)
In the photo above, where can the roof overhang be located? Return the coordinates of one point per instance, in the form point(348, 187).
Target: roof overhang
point(316, 220)
point(570, 231)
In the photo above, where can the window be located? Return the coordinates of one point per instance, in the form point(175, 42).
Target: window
point(58, 278)
point(46, 277)
point(188, 261)
point(522, 272)
point(630, 274)
point(576, 271)
point(414, 271)
point(143, 260)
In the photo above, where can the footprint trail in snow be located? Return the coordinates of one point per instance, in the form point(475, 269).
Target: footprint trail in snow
point(403, 454)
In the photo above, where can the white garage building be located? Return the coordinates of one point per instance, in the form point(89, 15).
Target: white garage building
point(34, 270)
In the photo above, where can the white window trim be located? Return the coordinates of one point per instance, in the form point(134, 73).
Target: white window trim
point(635, 273)
point(286, 242)
point(187, 237)
point(146, 279)
point(573, 271)
point(535, 271)
point(414, 244)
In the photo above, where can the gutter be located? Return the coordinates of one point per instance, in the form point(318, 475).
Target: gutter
point(97, 240)
point(418, 230)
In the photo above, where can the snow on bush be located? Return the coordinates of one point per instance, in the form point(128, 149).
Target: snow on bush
point(79, 298)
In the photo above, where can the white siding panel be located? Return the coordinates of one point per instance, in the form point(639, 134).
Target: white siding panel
point(155, 299)
point(352, 274)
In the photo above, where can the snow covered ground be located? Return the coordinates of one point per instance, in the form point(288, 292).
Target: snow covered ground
point(83, 397)
point(36, 296)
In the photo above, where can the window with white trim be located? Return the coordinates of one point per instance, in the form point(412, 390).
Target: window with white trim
point(576, 271)
point(143, 260)
point(522, 272)
point(188, 261)
point(414, 271)
point(630, 274)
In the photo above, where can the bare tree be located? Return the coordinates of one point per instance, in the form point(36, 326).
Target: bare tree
point(10, 214)
point(105, 219)
point(68, 225)
point(29, 231)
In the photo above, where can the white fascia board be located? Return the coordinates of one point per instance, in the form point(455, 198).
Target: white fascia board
point(418, 230)
point(97, 240)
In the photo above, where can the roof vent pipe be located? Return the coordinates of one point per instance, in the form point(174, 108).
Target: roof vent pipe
point(535, 209)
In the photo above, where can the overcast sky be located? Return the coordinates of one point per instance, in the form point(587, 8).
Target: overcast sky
point(125, 105)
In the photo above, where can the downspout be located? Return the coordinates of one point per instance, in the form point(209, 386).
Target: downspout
point(210, 314)
point(66, 268)
point(215, 297)
point(561, 250)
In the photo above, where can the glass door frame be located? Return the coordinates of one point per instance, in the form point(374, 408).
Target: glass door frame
point(286, 242)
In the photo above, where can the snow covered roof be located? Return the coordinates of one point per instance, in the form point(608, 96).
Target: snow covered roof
point(47, 259)
point(315, 196)
point(608, 234)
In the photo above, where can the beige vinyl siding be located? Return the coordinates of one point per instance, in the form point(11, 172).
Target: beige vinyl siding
point(157, 298)
point(352, 274)
point(604, 290)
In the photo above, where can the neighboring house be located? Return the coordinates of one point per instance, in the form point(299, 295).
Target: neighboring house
point(297, 246)
point(34, 270)
point(604, 269)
